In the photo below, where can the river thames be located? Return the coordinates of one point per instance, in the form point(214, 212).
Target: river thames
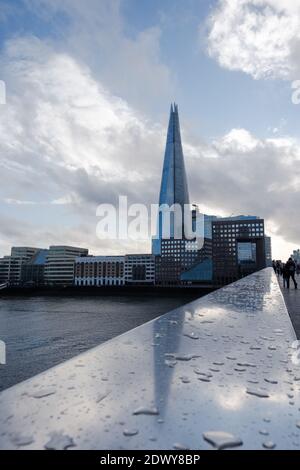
point(41, 332)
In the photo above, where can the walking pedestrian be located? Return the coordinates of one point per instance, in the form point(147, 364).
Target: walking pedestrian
point(291, 269)
point(285, 276)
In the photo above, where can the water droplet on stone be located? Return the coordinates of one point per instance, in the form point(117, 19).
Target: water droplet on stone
point(191, 335)
point(102, 396)
point(269, 445)
point(187, 357)
point(130, 432)
point(170, 363)
point(257, 393)
point(21, 440)
point(222, 440)
point(59, 441)
point(146, 411)
point(178, 446)
point(271, 381)
point(46, 392)
point(185, 380)
point(246, 364)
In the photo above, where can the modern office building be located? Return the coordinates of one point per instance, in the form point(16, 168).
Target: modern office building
point(11, 266)
point(174, 188)
point(238, 247)
point(4, 269)
point(177, 251)
point(60, 262)
point(140, 269)
point(180, 256)
point(33, 271)
point(100, 271)
point(296, 256)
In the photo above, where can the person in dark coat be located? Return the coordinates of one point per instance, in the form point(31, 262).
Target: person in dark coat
point(285, 276)
point(291, 269)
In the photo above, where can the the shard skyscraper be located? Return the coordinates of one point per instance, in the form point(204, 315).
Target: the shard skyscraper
point(174, 188)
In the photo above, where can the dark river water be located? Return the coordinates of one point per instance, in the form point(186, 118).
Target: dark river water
point(40, 332)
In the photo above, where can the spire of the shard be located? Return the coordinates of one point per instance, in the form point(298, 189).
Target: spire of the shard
point(174, 189)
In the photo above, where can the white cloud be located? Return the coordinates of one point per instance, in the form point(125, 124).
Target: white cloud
point(65, 140)
point(130, 65)
point(252, 176)
point(59, 116)
point(258, 37)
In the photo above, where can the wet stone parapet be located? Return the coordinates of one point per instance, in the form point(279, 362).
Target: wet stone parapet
point(218, 373)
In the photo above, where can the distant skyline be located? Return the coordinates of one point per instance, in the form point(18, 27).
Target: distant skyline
point(89, 87)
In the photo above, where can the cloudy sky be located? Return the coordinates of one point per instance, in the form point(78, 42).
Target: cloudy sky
point(89, 86)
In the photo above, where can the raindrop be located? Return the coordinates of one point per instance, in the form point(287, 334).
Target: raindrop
point(269, 445)
point(170, 363)
point(130, 432)
point(267, 420)
point(246, 364)
point(159, 335)
point(185, 380)
point(59, 441)
point(264, 432)
point(146, 411)
point(178, 446)
point(186, 357)
point(257, 393)
point(271, 381)
point(102, 396)
point(222, 440)
point(191, 335)
point(205, 374)
point(21, 440)
point(46, 392)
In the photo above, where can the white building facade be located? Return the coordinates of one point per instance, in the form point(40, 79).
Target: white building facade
point(100, 271)
point(115, 270)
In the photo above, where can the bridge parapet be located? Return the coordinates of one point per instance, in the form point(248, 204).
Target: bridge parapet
point(217, 372)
